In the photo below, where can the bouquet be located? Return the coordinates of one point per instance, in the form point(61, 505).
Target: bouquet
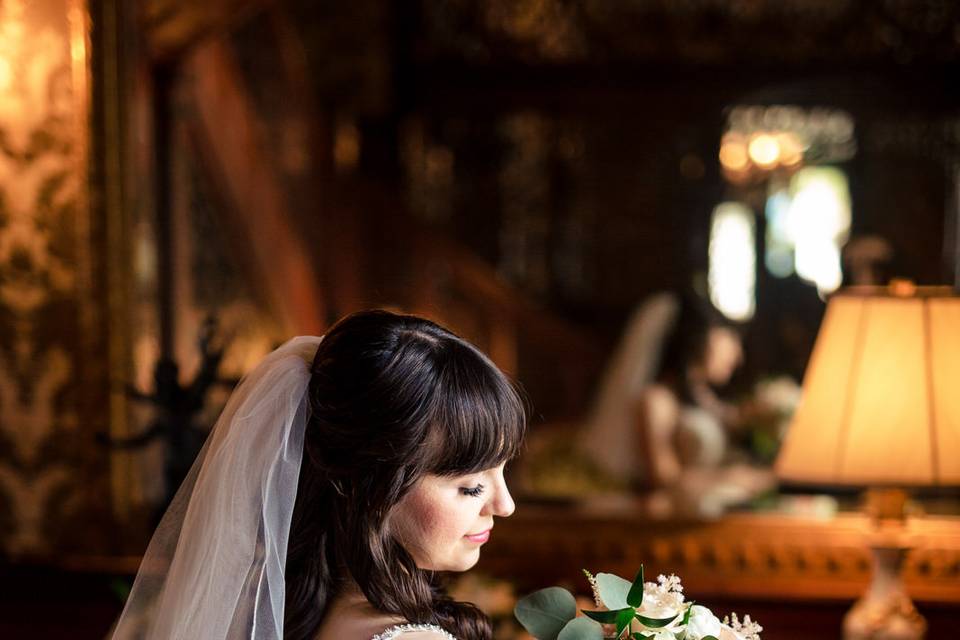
point(630, 610)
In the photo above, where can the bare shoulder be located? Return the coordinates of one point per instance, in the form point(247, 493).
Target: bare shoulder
point(658, 399)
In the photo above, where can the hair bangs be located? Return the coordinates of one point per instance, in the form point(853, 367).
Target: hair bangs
point(478, 419)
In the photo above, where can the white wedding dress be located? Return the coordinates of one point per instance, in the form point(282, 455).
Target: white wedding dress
point(400, 629)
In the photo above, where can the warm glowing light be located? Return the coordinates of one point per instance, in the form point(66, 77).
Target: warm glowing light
point(820, 263)
point(764, 150)
point(6, 74)
point(733, 153)
point(732, 271)
point(763, 141)
point(902, 288)
point(346, 146)
point(818, 223)
point(879, 404)
point(791, 151)
point(78, 51)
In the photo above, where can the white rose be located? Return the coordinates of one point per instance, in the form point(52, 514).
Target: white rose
point(702, 623)
point(658, 606)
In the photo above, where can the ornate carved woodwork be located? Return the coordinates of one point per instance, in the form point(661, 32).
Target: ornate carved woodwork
point(739, 556)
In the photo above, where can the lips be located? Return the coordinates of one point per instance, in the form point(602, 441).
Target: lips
point(478, 538)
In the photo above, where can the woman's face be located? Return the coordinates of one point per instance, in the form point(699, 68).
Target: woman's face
point(443, 520)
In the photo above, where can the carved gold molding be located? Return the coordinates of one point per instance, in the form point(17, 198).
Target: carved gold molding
point(741, 555)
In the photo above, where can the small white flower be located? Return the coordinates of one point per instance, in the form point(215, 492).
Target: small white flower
point(702, 623)
point(670, 583)
point(746, 630)
point(596, 590)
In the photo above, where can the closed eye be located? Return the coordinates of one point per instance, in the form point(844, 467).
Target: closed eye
point(472, 491)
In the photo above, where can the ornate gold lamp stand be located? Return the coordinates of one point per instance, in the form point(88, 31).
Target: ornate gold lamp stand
point(885, 611)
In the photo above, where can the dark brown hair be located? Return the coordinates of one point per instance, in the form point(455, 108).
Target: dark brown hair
point(392, 397)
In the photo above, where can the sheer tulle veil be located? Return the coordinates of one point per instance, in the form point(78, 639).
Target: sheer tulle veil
point(215, 565)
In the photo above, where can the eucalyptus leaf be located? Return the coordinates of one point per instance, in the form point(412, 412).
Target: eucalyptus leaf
point(613, 590)
point(635, 593)
point(710, 638)
point(581, 629)
point(655, 623)
point(544, 613)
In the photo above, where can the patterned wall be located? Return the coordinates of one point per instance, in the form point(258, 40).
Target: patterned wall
point(52, 392)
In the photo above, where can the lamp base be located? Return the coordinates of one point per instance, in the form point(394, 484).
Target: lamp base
point(885, 612)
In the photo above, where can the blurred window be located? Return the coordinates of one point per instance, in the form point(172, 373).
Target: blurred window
point(732, 270)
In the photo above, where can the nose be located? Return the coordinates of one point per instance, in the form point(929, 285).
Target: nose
point(501, 502)
point(507, 505)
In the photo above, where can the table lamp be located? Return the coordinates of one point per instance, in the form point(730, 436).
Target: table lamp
point(880, 410)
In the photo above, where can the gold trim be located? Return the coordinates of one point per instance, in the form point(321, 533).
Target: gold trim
point(745, 555)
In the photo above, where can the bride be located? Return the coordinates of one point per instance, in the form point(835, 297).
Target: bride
point(344, 473)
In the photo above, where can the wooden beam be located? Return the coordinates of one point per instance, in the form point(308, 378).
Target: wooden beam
point(173, 27)
point(229, 135)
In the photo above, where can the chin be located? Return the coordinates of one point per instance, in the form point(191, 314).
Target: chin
point(463, 564)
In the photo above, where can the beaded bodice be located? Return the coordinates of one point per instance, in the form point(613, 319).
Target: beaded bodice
point(397, 630)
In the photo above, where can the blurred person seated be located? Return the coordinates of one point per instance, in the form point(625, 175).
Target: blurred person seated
point(685, 427)
point(658, 425)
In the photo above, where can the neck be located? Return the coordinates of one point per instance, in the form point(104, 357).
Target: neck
point(351, 599)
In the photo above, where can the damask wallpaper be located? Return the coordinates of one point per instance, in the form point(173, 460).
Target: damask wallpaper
point(52, 391)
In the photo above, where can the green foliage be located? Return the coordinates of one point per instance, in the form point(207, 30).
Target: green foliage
point(655, 623)
point(614, 590)
point(624, 618)
point(546, 612)
point(550, 614)
point(635, 595)
point(608, 617)
point(581, 629)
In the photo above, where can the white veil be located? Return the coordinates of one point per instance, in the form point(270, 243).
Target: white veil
point(215, 565)
point(609, 435)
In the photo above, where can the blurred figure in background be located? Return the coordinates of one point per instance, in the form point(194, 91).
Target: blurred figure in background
point(681, 419)
point(868, 260)
point(660, 422)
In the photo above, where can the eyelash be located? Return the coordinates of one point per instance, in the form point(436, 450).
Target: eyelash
point(472, 491)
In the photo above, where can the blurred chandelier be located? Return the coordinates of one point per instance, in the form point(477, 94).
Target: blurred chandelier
point(759, 140)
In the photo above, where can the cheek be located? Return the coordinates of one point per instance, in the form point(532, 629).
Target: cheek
point(437, 520)
point(431, 527)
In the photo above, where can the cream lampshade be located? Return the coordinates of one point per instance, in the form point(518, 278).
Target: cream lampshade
point(881, 397)
point(881, 409)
